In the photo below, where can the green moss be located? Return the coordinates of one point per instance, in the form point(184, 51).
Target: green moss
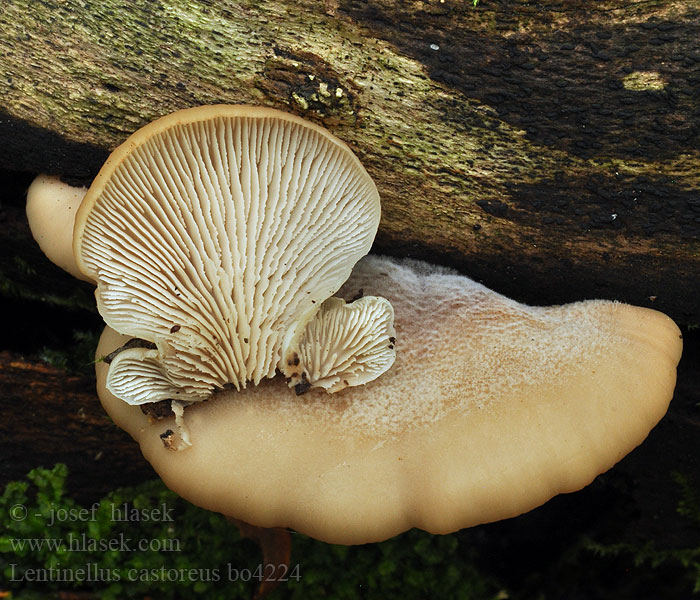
point(684, 559)
point(47, 535)
point(76, 358)
point(191, 551)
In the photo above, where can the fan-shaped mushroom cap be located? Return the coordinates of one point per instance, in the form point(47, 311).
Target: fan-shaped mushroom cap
point(51, 209)
point(343, 345)
point(490, 409)
point(216, 233)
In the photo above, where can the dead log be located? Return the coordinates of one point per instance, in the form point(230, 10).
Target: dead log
point(549, 150)
point(50, 417)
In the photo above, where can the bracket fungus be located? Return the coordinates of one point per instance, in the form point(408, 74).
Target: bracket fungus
point(216, 233)
point(489, 409)
point(51, 209)
point(343, 345)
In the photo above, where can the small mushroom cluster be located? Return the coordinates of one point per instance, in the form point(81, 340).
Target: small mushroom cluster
point(217, 238)
point(218, 234)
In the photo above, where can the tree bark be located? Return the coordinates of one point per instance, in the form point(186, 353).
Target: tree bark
point(550, 150)
point(50, 417)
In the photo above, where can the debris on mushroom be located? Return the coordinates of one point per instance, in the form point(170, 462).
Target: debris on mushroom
point(216, 233)
point(168, 439)
point(157, 410)
point(343, 345)
point(178, 409)
point(490, 409)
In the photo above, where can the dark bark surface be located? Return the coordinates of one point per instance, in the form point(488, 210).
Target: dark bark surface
point(50, 417)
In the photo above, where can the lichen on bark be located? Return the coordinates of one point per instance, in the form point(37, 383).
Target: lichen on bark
point(508, 139)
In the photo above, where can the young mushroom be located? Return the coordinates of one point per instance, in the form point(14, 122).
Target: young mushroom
point(51, 209)
point(490, 408)
point(343, 345)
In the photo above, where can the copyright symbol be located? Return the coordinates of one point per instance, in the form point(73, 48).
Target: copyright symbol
point(18, 512)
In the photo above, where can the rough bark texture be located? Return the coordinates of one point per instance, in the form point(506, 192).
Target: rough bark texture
point(550, 150)
point(51, 417)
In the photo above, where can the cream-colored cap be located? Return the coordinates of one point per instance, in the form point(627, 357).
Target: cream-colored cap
point(490, 409)
point(51, 209)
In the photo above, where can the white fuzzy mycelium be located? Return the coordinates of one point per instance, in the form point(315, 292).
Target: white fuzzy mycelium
point(490, 409)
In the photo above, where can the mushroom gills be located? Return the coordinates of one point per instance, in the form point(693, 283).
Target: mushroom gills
point(343, 345)
point(490, 408)
point(216, 233)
